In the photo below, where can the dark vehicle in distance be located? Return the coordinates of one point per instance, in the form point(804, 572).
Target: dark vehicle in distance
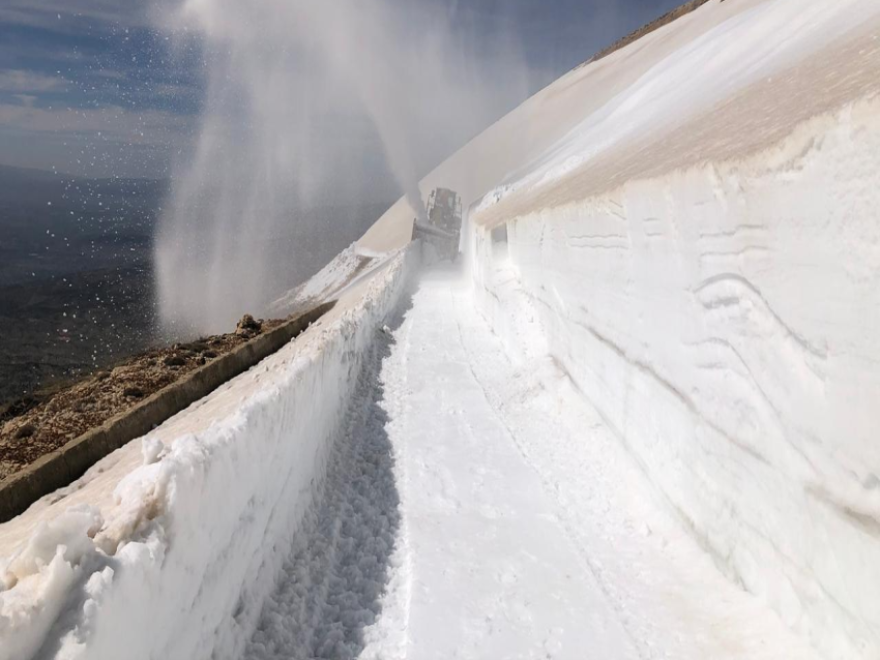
point(443, 229)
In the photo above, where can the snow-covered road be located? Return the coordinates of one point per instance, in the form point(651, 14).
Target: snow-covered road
point(642, 425)
point(476, 507)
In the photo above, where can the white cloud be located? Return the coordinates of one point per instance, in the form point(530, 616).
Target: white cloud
point(20, 81)
point(98, 142)
point(61, 15)
point(27, 100)
point(108, 123)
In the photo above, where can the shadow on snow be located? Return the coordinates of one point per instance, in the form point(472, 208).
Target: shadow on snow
point(332, 584)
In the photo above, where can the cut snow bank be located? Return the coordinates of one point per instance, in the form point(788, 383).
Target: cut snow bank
point(725, 321)
point(178, 562)
point(663, 82)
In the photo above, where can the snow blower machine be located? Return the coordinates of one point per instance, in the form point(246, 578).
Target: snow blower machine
point(442, 232)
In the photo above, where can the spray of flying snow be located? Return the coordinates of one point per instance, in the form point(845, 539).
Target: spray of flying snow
point(308, 102)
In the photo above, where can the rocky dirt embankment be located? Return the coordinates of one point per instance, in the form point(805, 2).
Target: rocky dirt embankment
point(49, 444)
point(36, 425)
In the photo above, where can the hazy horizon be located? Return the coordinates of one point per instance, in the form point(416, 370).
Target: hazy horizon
point(91, 88)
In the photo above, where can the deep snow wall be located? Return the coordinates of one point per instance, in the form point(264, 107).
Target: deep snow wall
point(201, 530)
point(725, 322)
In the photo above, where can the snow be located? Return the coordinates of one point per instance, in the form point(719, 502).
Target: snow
point(723, 320)
point(529, 530)
point(344, 272)
point(176, 557)
point(761, 41)
point(601, 116)
point(641, 425)
point(331, 584)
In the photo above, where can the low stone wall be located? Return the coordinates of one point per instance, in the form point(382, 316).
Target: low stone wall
point(63, 466)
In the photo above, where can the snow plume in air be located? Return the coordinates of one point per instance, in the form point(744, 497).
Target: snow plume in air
point(312, 104)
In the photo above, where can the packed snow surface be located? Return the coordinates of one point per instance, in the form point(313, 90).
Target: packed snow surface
point(527, 529)
point(640, 423)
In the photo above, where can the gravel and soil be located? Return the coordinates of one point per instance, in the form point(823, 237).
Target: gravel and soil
point(40, 423)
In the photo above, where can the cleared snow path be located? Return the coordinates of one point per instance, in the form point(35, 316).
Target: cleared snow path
point(477, 509)
point(333, 581)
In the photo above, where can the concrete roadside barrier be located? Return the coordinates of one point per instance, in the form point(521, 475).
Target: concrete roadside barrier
point(63, 466)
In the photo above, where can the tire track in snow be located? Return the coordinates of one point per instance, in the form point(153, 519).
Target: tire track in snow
point(492, 575)
point(332, 586)
point(586, 562)
point(388, 639)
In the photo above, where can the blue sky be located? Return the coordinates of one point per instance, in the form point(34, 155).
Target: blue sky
point(90, 88)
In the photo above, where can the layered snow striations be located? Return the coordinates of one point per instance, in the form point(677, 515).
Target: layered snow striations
point(724, 322)
point(720, 306)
